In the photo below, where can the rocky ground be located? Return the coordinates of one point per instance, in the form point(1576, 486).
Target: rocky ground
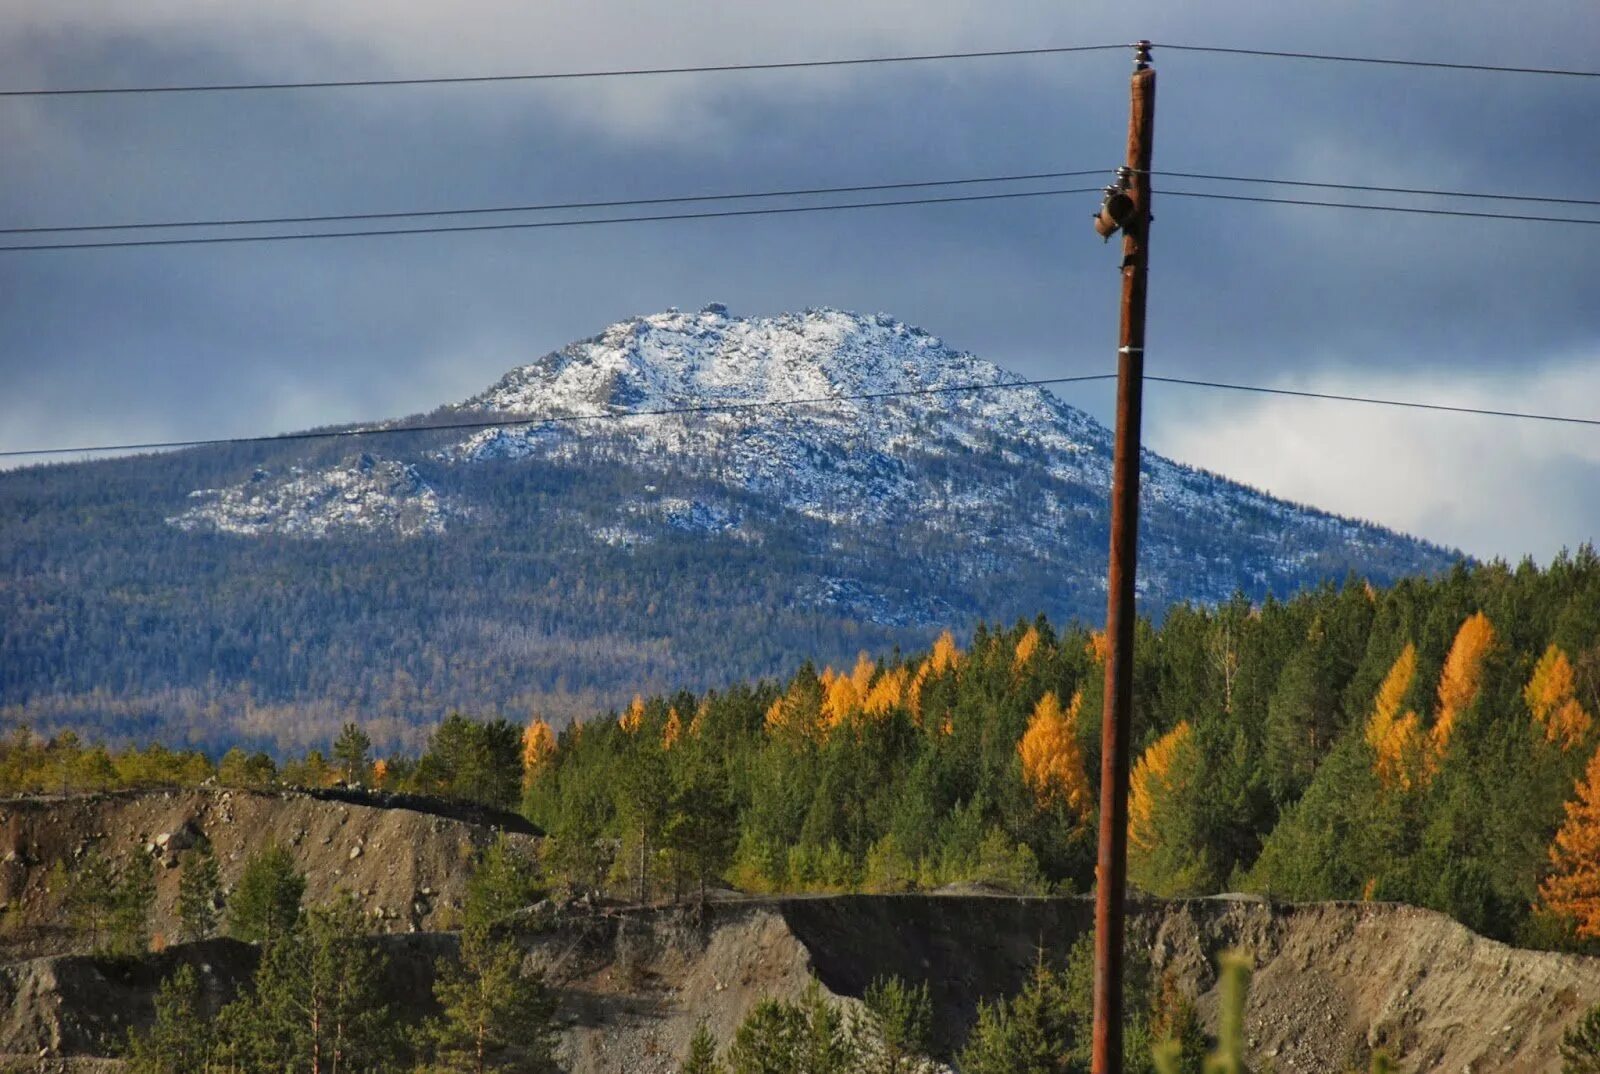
point(1332, 980)
point(406, 866)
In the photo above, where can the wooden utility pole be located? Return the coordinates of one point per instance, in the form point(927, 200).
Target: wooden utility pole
point(1128, 208)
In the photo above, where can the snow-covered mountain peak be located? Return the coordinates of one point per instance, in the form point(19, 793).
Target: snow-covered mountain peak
point(863, 435)
point(676, 358)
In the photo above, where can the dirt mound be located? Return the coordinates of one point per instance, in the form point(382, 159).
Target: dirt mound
point(80, 1007)
point(405, 867)
point(1333, 981)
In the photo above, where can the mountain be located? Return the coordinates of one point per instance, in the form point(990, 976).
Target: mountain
point(666, 527)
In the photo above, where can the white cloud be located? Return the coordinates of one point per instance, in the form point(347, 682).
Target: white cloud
point(1491, 486)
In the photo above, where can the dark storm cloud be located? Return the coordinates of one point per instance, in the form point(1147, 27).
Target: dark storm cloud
point(246, 338)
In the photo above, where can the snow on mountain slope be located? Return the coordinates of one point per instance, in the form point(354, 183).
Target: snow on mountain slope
point(363, 494)
point(990, 476)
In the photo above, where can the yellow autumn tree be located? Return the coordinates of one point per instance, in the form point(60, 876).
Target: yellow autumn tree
point(887, 693)
point(1098, 647)
point(633, 717)
point(1396, 740)
point(1157, 775)
point(798, 712)
point(1552, 697)
point(697, 725)
point(538, 749)
point(1572, 889)
point(380, 772)
point(673, 730)
point(1165, 855)
point(1027, 646)
point(944, 657)
point(1052, 761)
point(1459, 683)
point(844, 696)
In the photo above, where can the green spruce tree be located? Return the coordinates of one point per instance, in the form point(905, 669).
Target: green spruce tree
point(89, 896)
point(180, 1040)
point(495, 1015)
point(350, 754)
point(199, 893)
point(265, 904)
point(702, 1057)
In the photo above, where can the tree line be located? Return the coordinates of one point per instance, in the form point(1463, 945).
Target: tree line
point(1431, 742)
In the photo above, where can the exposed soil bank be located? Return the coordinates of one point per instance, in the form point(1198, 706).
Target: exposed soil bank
point(1332, 981)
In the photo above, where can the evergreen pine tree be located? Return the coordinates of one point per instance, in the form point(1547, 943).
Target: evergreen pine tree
point(180, 1040)
point(702, 1057)
point(495, 1015)
point(130, 915)
point(901, 1020)
point(314, 1005)
point(350, 753)
point(199, 893)
point(91, 896)
point(265, 904)
point(504, 881)
point(1580, 1045)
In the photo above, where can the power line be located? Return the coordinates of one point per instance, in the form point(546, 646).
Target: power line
point(531, 224)
point(1377, 189)
point(1406, 403)
point(228, 87)
point(743, 196)
point(708, 408)
point(545, 76)
point(1381, 61)
point(698, 408)
point(1371, 208)
point(770, 211)
point(553, 206)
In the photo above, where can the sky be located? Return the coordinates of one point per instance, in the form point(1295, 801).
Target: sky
point(141, 344)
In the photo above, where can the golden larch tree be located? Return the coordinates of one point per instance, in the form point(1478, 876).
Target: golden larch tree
point(944, 657)
point(1573, 887)
point(1459, 683)
point(797, 713)
point(887, 693)
point(672, 731)
point(1052, 761)
point(1098, 646)
point(844, 696)
point(538, 749)
point(698, 724)
point(1395, 739)
point(1552, 697)
point(1163, 770)
point(1027, 646)
point(633, 717)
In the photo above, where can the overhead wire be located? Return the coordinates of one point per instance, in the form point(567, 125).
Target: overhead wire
point(1384, 61)
point(550, 76)
point(523, 225)
point(1414, 209)
point(1410, 404)
point(762, 404)
point(552, 206)
point(486, 210)
point(1374, 189)
point(780, 65)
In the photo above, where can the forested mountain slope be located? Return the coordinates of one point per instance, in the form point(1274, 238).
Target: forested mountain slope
point(266, 593)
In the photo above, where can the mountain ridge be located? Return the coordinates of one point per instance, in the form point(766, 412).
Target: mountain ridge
point(478, 563)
